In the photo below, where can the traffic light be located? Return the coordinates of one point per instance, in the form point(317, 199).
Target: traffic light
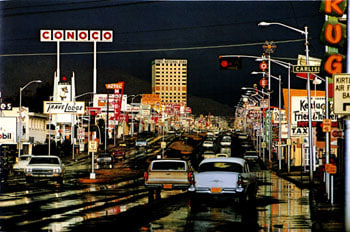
point(230, 63)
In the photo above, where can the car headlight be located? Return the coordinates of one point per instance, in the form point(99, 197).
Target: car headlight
point(28, 170)
point(57, 170)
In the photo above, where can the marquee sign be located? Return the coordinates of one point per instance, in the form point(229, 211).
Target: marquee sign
point(76, 35)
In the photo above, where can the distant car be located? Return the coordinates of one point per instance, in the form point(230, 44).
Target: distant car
point(208, 143)
point(254, 162)
point(225, 141)
point(224, 176)
point(208, 154)
point(21, 163)
point(44, 166)
point(119, 153)
point(104, 159)
point(226, 150)
point(221, 155)
point(242, 136)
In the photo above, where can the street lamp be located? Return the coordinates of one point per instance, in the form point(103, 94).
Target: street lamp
point(20, 112)
point(280, 115)
point(288, 66)
point(305, 33)
point(132, 113)
point(72, 125)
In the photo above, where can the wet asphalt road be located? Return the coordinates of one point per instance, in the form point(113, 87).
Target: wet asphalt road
point(123, 205)
point(48, 206)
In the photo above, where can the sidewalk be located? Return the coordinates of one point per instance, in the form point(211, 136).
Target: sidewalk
point(325, 216)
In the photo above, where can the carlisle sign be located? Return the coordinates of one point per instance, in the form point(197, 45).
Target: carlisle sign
point(76, 35)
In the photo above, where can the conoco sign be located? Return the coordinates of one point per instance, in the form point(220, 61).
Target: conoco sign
point(76, 35)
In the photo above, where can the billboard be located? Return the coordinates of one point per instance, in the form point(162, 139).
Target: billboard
point(8, 131)
point(100, 100)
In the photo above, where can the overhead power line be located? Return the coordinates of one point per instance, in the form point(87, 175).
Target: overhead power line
point(151, 50)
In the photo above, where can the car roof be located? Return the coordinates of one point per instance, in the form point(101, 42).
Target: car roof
point(225, 159)
point(45, 156)
point(164, 160)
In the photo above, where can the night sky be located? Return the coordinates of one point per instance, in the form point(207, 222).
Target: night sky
point(144, 31)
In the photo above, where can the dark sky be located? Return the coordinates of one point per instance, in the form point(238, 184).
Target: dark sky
point(207, 29)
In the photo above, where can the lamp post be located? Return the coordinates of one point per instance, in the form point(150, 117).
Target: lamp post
point(288, 66)
point(279, 118)
point(72, 125)
point(132, 113)
point(305, 33)
point(20, 112)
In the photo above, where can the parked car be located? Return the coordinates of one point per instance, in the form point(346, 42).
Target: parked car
point(21, 163)
point(44, 166)
point(168, 174)
point(224, 176)
point(104, 159)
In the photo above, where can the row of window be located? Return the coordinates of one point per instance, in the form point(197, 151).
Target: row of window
point(38, 124)
point(171, 64)
point(169, 83)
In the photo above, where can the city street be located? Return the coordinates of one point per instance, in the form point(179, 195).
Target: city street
point(123, 203)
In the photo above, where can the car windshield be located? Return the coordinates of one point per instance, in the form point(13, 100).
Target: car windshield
point(220, 166)
point(44, 160)
point(180, 166)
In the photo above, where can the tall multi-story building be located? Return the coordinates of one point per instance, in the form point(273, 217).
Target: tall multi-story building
point(169, 80)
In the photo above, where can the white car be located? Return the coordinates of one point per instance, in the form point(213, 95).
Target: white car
point(44, 166)
point(225, 176)
point(208, 143)
point(21, 163)
point(226, 141)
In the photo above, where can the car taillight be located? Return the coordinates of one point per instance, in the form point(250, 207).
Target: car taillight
point(145, 175)
point(239, 181)
point(191, 177)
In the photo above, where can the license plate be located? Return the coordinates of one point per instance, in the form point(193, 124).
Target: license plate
point(215, 190)
point(167, 186)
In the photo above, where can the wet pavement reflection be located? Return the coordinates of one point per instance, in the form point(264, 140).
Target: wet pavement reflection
point(289, 210)
point(280, 206)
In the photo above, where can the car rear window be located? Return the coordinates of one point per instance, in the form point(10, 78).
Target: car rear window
point(44, 160)
point(178, 166)
point(220, 166)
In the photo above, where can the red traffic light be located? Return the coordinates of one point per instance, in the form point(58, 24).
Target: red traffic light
point(230, 63)
point(224, 64)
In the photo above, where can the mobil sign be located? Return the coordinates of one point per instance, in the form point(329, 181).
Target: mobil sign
point(8, 130)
